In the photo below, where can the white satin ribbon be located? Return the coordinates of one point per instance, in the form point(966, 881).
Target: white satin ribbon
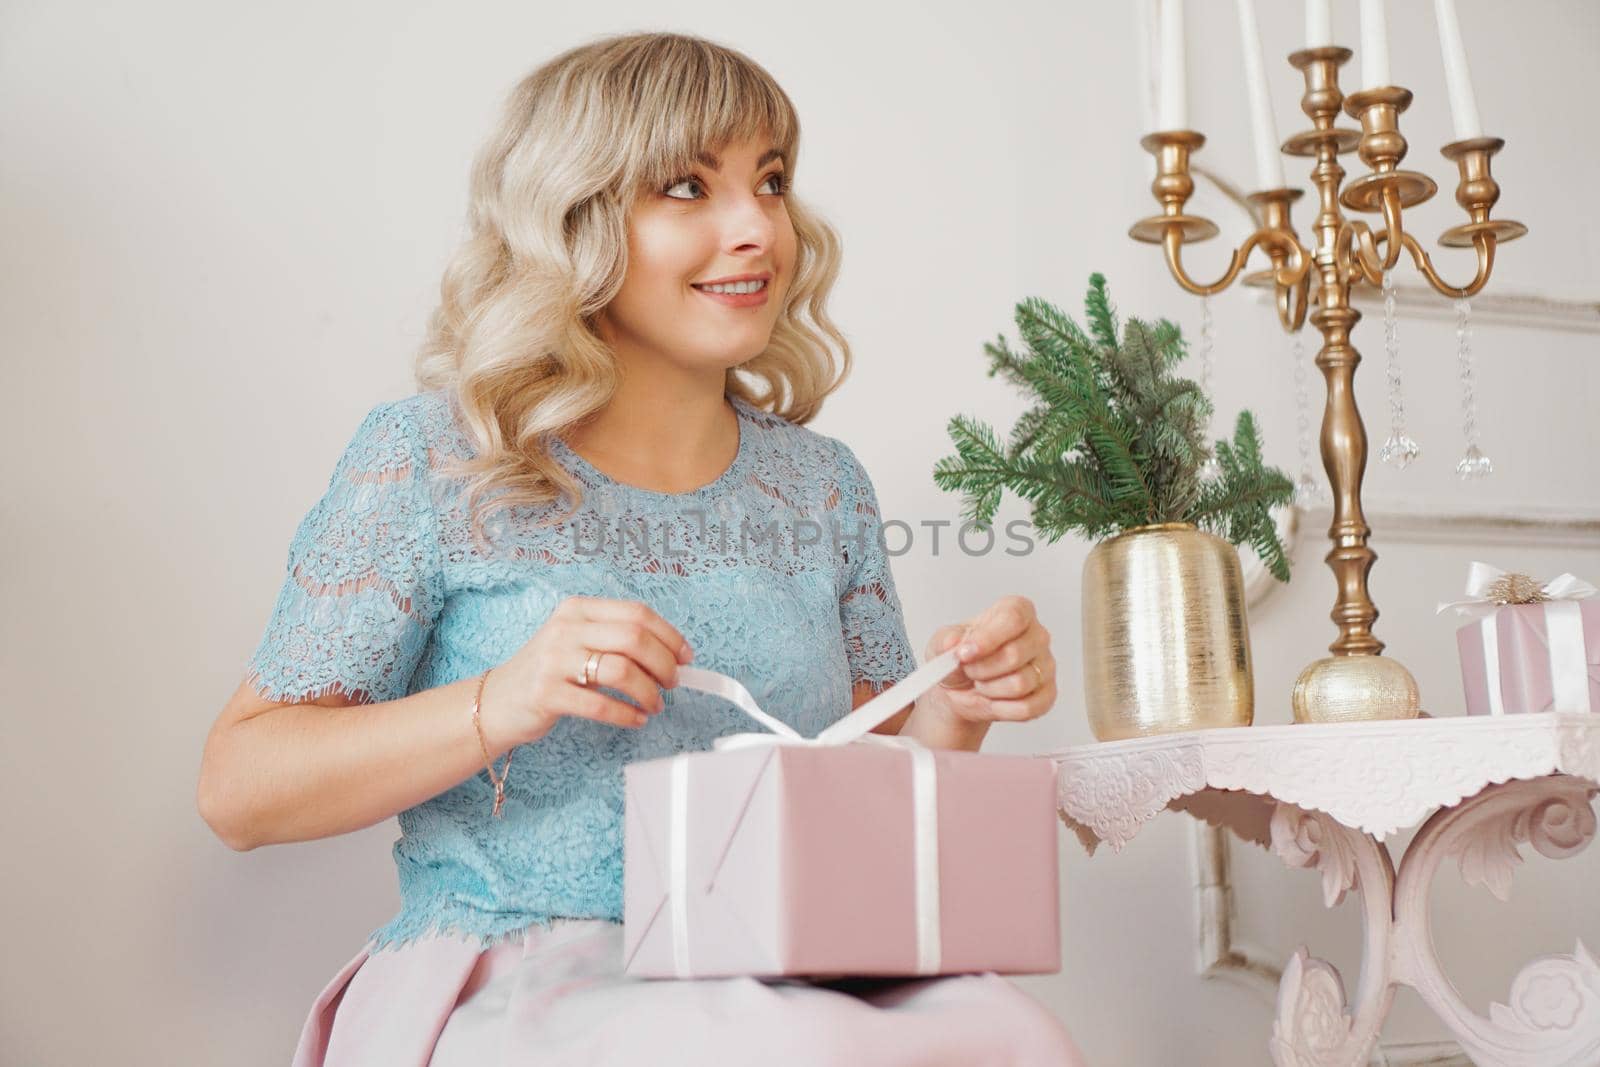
point(1563, 620)
point(857, 726)
point(1489, 634)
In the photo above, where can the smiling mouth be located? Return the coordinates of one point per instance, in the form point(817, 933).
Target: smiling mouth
point(734, 288)
point(736, 296)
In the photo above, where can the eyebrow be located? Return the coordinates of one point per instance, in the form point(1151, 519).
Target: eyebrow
point(766, 157)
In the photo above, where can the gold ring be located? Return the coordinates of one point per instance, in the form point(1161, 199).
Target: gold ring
point(1035, 665)
point(591, 669)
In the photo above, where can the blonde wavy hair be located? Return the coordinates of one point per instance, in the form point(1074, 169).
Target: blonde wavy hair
point(514, 336)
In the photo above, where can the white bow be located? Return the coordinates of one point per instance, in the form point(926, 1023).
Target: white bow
point(1481, 578)
point(1563, 634)
point(856, 726)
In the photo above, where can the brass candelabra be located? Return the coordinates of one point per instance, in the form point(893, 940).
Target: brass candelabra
point(1356, 682)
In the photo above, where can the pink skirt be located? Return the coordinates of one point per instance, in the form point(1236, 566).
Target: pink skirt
point(558, 998)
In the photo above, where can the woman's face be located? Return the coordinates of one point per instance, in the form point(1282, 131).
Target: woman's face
point(726, 220)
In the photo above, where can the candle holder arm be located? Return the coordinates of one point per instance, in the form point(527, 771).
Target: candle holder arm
point(1287, 275)
point(1483, 243)
point(1359, 257)
point(1293, 302)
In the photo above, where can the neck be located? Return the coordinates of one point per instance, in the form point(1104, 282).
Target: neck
point(665, 428)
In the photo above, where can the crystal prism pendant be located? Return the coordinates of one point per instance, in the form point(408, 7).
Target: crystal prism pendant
point(1474, 465)
point(1399, 451)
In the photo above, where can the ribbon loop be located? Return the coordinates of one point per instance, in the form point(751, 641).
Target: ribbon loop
point(856, 726)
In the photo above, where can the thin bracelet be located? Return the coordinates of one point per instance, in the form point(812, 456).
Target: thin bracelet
point(477, 721)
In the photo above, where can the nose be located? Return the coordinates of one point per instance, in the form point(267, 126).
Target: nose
point(748, 225)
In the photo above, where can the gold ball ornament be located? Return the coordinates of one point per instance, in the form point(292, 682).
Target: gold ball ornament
point(1355, 689)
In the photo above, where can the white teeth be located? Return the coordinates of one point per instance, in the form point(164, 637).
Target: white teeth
point(735, 287)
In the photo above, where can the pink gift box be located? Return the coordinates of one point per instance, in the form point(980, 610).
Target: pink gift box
point(1518, 635)
point(803, 860)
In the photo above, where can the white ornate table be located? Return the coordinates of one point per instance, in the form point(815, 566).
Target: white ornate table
point(1326, 796)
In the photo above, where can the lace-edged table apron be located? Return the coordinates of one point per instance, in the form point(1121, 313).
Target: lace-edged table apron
point(1326, 797)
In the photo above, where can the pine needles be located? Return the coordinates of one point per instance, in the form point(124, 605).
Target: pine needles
point(1115, 440)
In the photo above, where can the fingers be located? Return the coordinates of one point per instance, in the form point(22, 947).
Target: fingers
point(1011, 657)
point(1024, 684)
point(1009, 618)
point(943, 639)
point(618, 672)
point(999, 650)
point(1029, 707)
point(631, 642)
point(603, 609)
point(585, 703)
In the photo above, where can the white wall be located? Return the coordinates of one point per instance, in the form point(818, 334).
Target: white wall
point(224, 228)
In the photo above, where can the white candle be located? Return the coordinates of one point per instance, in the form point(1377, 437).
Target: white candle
point(1174, 98)
point(1319, 24)
point(1463, 105)
point(1269, 161)
point(1374, 45)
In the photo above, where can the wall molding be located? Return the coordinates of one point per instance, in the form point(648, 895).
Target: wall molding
point(1530, 527)
point(1525, 528)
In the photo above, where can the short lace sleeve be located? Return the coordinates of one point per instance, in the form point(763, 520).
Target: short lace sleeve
point(875, 641)
point(364, 584)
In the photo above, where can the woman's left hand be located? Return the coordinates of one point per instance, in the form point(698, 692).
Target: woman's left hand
point(1007, 672)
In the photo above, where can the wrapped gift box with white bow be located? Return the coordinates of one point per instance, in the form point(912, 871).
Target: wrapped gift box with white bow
point(1532, 647)
point(849, 854)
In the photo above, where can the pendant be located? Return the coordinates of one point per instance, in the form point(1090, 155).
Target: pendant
point(1474, 464)
point(1400, 449)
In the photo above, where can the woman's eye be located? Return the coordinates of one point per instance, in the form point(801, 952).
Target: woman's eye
point(682, 181)
point(778, 180)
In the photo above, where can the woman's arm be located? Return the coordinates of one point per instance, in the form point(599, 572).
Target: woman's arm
point(321, 736)
point(275, 772)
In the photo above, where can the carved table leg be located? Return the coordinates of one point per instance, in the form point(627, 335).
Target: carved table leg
point(1314, 1028)
point(1552, 1018)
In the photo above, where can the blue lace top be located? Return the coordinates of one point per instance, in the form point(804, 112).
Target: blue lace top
point(774, 572)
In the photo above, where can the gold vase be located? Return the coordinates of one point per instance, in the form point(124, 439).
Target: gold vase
point(1166, 645)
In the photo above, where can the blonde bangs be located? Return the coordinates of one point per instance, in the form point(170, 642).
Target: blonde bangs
point(691, 102)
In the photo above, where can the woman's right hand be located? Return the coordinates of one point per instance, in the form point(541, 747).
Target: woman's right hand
point(526, 694)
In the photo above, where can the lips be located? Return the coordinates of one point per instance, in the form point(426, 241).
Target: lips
point(737, 300)
point(762, 276)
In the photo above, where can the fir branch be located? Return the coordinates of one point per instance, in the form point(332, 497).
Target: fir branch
point(979, 469)
point(1004, 361)
point(1054, 339)
point(1031, 425)
point(1238, 504)
point(1114, 439)
point(1102, 317)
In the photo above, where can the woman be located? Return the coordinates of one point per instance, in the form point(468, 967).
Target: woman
point(603, 476)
